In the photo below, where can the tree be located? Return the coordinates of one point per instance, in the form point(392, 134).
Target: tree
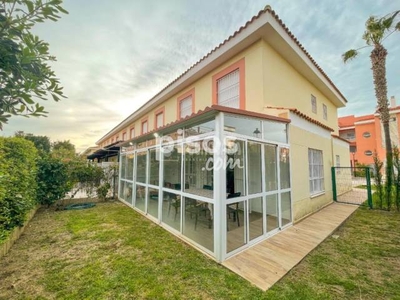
point(376, 31)
point(64, 150)
point(25, 76)
point(41, 142)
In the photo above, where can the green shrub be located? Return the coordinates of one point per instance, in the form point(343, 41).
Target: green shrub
point(17, 182)
point(52, 178)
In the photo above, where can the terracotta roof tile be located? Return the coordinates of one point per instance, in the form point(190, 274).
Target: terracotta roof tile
point(216, 108)
point(304, 116)
point(346, 121)
point(340, 138)
point(269, 10)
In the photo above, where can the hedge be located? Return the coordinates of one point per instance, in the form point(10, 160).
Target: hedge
point(18, 186)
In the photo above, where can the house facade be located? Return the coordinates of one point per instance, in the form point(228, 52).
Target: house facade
point(365, 135)
point(239, 146)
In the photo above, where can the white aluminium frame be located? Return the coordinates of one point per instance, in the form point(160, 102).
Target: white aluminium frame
point(219, 200)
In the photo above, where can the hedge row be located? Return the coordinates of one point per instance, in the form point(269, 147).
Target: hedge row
point(18, 171)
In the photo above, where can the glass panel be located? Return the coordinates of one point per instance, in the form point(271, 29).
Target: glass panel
point(172, 166)
point(286, 208)
point(198, 222)
point(256, 217)
point(254, 167)
point(172, 136)
point(275, 131)
point(236, 229)
point(121, 189)
point(199, 171)
point(272, 212)
point(171, 208)
point(152, 204)
point(140, 197)
point(284, 168)
point(128, 192)
point(271, 178)
point(141, 166)
point(123, 166)
point(200, 129)
point(245, 126)
point(154, 171)
point(235, 169)
point(129, 166)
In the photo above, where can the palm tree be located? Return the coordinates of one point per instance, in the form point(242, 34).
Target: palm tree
point(376, 31)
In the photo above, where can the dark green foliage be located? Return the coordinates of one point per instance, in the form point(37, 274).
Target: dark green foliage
point(396, 164)
point(52, 180)
point(359, 170)
point(84, 177)
point(64, 150)
point(41, 142)
point(17, 182)
point(102, 191)
point(25, 75)
point(379, 194)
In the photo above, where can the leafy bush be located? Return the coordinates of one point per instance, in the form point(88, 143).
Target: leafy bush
point(17, 182)
point(84, 177)
point(52, 178)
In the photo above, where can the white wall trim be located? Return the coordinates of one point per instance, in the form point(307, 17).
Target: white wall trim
point(308, 126)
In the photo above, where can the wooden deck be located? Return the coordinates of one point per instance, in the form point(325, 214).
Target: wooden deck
point(267, 262)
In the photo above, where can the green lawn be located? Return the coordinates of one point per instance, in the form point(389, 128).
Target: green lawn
point(111, 252)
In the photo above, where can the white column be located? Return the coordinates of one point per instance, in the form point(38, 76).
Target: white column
point(219, 190)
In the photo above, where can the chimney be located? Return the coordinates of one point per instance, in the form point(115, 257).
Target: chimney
point(392, 102)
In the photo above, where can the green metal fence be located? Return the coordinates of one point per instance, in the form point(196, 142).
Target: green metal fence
point(352, 185)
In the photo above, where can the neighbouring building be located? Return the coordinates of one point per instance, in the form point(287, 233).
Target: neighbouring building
point(238, 147)
point(365, 135)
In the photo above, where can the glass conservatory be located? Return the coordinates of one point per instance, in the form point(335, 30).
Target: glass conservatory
point(218, 180)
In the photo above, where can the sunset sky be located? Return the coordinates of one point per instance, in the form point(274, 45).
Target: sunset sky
point(112, 56)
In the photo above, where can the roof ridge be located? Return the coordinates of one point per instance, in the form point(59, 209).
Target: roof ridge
point(267, 9)
point(303, 115)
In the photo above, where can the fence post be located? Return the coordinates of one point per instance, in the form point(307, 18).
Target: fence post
point(368, 177)
point(334, 183)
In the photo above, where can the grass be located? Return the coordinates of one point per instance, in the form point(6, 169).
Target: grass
point(111, 252)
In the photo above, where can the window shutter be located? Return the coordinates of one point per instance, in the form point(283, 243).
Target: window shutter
point(160, 120)
point(186, 107)
point(228, 90)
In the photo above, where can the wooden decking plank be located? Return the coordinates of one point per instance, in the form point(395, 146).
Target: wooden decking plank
point(267, 262)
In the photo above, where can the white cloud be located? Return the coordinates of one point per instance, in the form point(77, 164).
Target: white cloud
point(115, 55)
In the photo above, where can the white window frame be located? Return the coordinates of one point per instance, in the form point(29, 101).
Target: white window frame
point(160, 114)
point(313, 104)
point(228, 90)
point(316, 167)
point(147, 127)
point(186, 111)
point(132, 130)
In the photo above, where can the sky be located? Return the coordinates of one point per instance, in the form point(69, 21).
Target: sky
point(113, 56)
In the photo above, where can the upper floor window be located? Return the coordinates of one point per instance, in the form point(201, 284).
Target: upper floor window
point(314, 104)
point(145, 126)
point(124, 136)
point(159, 118)
point(186, 104)
point(229, 86)
point(325, 111)
point(185, 107)
point(228, 90)
point(132, 133)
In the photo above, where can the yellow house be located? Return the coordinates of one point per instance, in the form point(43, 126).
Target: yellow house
point(238, 147)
